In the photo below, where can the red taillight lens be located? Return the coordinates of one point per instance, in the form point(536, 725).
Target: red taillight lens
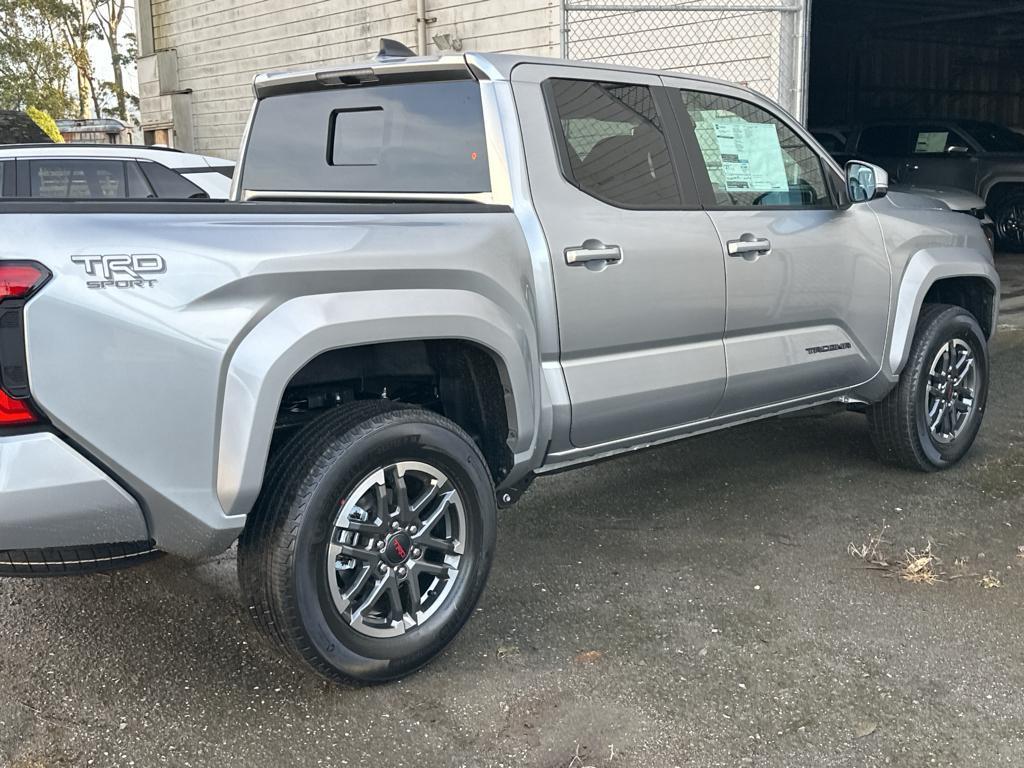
point(17, 281)
point(14, 412)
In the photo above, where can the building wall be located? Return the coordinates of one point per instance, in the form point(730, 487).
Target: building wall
point(214, 48)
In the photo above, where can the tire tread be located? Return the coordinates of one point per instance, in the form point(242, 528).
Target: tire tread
point(266, 548)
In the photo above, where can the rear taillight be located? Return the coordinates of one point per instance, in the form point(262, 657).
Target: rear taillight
point(13, 412)
point(18, 281)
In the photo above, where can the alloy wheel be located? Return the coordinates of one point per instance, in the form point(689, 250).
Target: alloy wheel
point(396, 548)
point(950, 394)
point(1010, 224)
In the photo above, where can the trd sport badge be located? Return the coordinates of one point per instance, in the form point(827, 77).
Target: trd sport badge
point(122, 270)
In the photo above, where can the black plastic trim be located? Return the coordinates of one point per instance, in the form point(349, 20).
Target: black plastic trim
point(71, 561)
point(7, 170)
point(269, 89)
point(84, 145)
point(223, 170)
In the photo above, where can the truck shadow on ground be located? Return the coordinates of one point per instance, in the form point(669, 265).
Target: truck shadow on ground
point(184, 623)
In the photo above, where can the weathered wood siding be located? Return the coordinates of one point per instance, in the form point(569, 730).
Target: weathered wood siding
point(222, 44)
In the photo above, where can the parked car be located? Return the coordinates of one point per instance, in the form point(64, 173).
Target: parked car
point(111, 172)
point(506, 267)
point(983, 157)
point(834, 140)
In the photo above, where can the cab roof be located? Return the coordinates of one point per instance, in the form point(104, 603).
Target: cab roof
point(392, 68)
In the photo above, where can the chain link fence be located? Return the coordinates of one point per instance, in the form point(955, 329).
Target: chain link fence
point(758, 43)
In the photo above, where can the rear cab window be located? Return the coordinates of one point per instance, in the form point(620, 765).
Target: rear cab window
point(407, 138)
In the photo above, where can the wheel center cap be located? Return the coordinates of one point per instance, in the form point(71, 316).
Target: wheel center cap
point(397, 548)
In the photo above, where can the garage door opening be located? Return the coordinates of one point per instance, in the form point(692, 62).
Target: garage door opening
point(940, 80)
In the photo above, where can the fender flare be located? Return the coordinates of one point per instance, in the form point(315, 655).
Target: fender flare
point(303, 328)
point(924, 269)
point(991, 183)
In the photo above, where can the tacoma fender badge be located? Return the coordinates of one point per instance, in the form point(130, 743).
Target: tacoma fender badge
point(122, 270)
point(828, 348)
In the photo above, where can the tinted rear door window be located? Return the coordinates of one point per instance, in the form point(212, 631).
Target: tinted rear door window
point(406, 137)
point(77, 179)
point(614, 143)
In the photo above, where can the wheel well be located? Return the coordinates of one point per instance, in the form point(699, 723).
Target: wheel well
point(457, 379)
point(975, 294)
point(1002, 190)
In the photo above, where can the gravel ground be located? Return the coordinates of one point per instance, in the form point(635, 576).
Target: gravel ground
point(694, 605)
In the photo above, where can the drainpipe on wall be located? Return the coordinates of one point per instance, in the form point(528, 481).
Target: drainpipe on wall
point(421, 27)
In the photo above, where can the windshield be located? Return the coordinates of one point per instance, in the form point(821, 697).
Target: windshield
point(995, 138)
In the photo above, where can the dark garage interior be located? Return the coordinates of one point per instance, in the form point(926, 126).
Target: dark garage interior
point(894, 59)
point(954, 67)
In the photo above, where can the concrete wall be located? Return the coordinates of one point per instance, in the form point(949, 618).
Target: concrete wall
point(219, 45)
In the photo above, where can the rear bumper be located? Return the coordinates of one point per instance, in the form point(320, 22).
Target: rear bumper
point(52, 497)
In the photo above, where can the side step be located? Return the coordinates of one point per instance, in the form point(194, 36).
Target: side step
point(73, 561)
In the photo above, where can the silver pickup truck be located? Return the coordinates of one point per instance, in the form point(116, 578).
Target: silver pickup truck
point(438, 278)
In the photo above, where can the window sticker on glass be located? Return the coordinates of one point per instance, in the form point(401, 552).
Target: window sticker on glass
point(931, 142)
point(751, 157)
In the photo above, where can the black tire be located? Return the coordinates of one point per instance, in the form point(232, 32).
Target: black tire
point(1008, 222)
point(283, 551)
point(898, 424)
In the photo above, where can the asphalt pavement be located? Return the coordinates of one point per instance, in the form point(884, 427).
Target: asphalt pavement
point(693, 605)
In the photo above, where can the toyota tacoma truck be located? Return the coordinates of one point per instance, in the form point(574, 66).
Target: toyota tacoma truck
point(436, 279)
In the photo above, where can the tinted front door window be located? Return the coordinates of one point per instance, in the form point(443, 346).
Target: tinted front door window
point(751, 158)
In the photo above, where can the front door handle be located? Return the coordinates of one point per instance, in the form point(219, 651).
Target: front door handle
point(749, 245)
point(592, 251)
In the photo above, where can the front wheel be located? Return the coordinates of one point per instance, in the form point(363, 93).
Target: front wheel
point(1008, 222)
point(930, 420)
point(371, 542)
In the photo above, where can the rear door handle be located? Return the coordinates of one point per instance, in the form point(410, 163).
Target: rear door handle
point(748, 244)
point(592, 251)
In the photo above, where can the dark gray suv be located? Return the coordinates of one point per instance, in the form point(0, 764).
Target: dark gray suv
point(986, 158)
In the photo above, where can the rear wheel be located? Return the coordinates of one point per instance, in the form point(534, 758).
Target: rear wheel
point(371, 543)
point(930, 420)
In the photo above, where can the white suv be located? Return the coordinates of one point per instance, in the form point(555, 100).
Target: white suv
point(111, 172)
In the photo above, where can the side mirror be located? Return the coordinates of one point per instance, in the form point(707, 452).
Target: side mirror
point(865, 181)
point(956, 149)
